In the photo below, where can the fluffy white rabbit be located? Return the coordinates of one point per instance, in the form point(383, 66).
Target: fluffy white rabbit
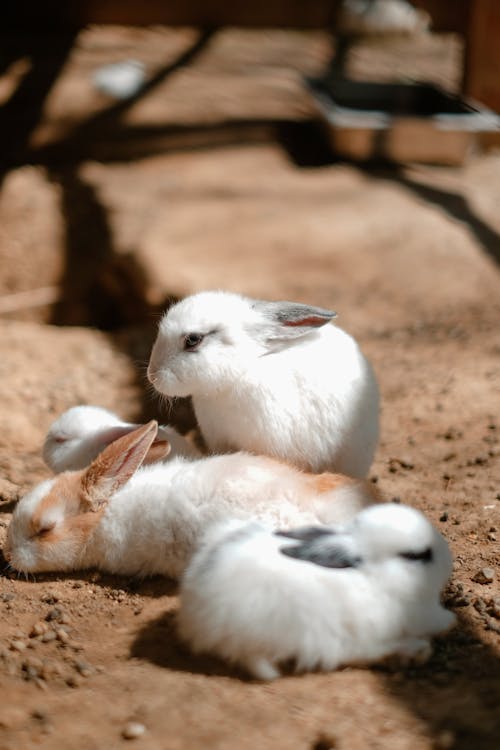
point(271, 378)
point(80, 434)
point(121, 518)
point(323, 597)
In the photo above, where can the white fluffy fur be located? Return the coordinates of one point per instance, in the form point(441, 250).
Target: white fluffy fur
point(302, 393)
point(244, 600)
point(80, 433)
point(153, 523)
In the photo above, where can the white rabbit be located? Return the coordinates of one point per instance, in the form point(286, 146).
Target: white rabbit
point(80, 433)
point(270, 378)
point(122, 519)
point(323, 597)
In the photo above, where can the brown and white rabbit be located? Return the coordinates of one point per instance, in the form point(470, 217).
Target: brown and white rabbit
point(121, 518)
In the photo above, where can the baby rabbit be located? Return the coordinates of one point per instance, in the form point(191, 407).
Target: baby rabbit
point(123, 519)
point(80, 433)
point(323, 597)
point(270, 378)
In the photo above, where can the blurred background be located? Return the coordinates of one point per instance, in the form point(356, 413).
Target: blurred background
point(143, 161)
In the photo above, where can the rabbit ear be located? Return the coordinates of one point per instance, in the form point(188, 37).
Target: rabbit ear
point(115, 465)
point(289, 320)
point(159, 448)
point(327, 554)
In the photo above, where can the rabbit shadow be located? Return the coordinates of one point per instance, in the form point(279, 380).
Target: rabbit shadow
point(159, 644)
point(457, 692)
point(153, 587)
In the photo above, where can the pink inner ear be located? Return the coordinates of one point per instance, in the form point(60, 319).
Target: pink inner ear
point(313, 320)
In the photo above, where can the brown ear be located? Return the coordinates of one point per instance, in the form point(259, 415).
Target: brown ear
point(116, 464)
point(160, 449)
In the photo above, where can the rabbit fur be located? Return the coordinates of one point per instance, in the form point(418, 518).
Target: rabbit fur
point(323, 597)
point(125, 519)
point(81, 432)
point(271, 378)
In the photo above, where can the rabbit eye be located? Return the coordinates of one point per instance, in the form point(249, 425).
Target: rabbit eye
point(192, 341)
point(424, 555)
point(44, 530)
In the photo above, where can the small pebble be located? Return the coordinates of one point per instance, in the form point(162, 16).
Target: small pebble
point(494, 608)
point(62, 635)
point(83, 668)
point(39, 628)
point(18, 645)
point(48, 636)
point(49, 598)
point(54, 614)
point(7, 597)
point(33, 667)
point(443, 517)
point(133, 730)
point(485, 575)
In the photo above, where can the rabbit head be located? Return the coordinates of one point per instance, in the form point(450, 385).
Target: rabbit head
point(52, 525)
point(81, 432)
point(208, 339)
point(394, 541)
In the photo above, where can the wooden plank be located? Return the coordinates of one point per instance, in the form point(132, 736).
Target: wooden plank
point(482, 63)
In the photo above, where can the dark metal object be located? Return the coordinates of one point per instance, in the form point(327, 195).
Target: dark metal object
point(399, 122)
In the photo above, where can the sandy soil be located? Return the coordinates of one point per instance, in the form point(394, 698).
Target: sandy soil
point(220, 178)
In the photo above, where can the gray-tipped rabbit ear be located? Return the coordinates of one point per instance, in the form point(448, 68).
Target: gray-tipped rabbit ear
point(289, 320)
point(327, 554)
point(116, 464)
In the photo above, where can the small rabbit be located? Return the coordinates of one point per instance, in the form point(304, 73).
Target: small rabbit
point(323, 597)
point(80, 433)
point(270, 378)
point(125, 519)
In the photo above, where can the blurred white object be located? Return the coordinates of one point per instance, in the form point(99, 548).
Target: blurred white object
point(381, 17)
point(120, 80)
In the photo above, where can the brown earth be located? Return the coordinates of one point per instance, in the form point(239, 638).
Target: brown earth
point(219, 178)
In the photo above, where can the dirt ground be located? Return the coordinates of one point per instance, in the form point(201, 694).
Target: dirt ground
point(219, 177)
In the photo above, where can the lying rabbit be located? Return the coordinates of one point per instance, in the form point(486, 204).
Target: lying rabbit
point(323, 597)
point(270, 378)
point(120, 519)
point(80, 433)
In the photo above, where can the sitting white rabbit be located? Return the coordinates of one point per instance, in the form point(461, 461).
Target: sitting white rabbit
point(323, 597)
point(271, 378)
point(125, 519)
point(81, 433)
